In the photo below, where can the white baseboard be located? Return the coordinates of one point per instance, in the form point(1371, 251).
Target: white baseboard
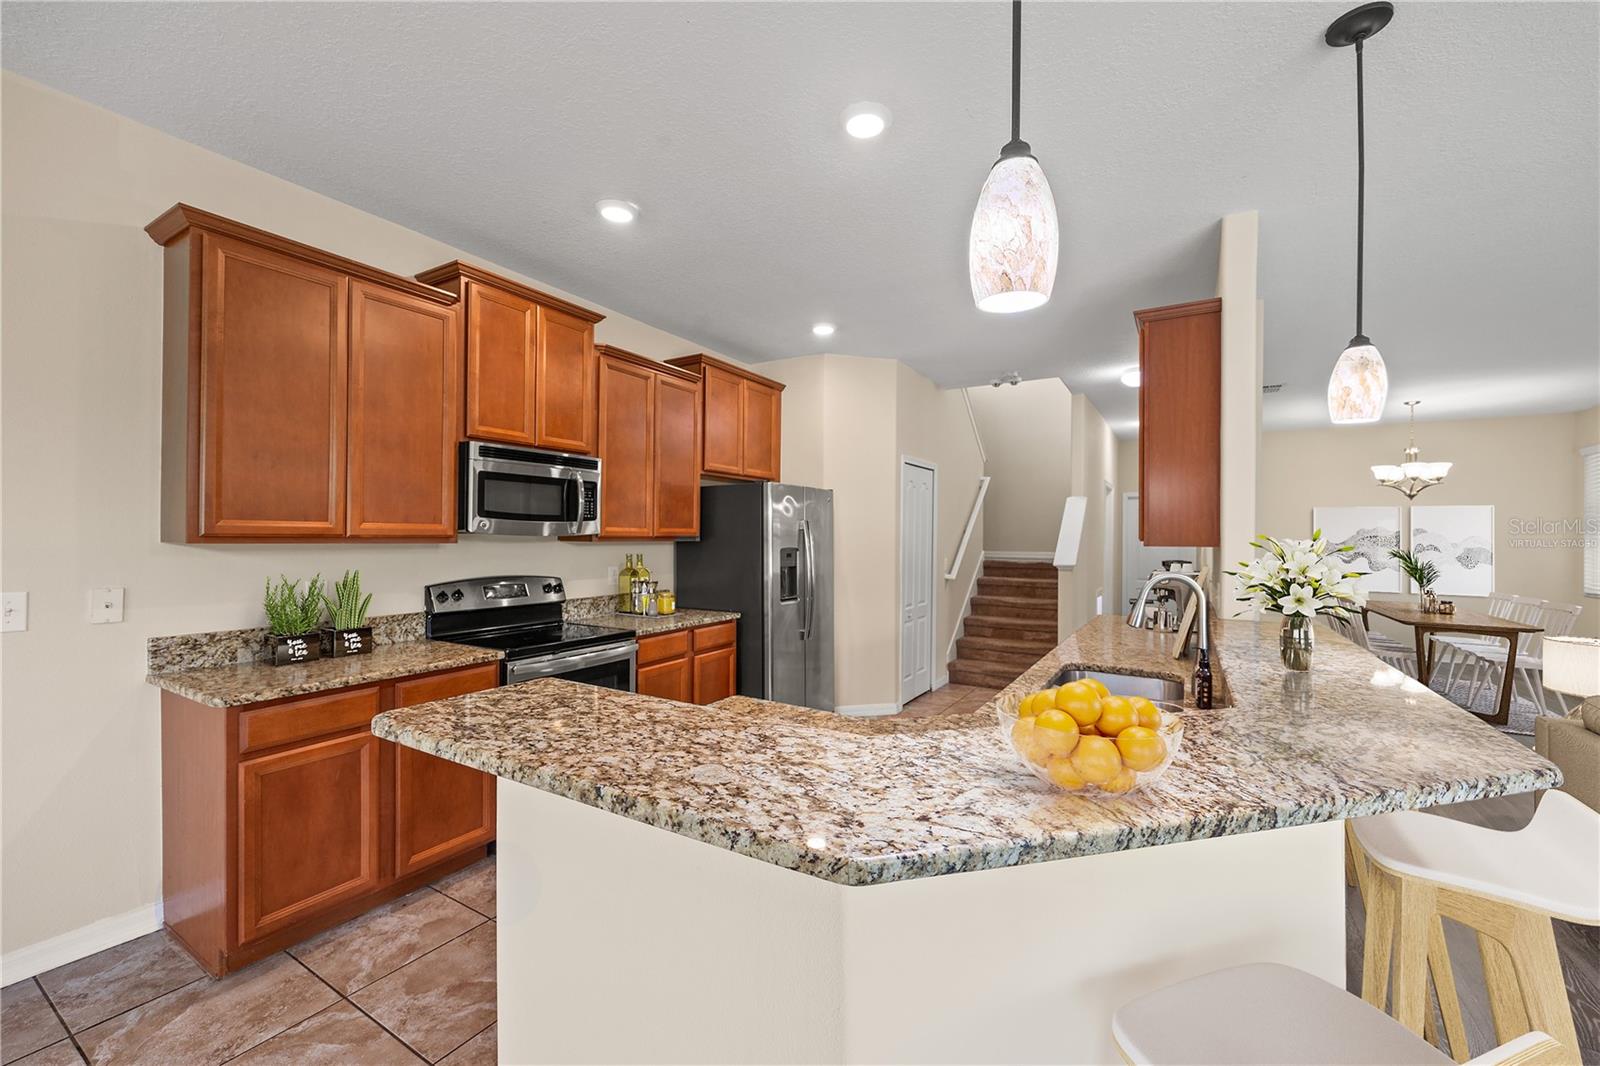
point(78, 943)
point(1021, 557)
point(869, 710)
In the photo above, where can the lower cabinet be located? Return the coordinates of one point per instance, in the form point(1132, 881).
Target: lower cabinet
point(690, 665)
point(283, 819)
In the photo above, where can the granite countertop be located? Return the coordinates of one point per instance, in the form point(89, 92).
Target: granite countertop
point(647, 625)
point(865, 801)
point(241, 683)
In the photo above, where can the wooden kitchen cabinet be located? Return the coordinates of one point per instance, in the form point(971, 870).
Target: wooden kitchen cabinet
point(742, 418)
point(1180, 424)
point(306, 396)
point(649, 448)
point(284, 818)
point(530, 361)
point(689, 665)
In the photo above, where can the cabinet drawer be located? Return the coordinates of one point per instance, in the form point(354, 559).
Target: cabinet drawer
point(415, 690)
point(717, 636)
point(303, 719)
point(665, 646)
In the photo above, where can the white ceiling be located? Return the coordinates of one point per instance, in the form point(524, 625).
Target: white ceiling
point(495, 127)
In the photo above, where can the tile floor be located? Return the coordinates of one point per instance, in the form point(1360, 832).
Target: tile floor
point(412, 980)
point(951, 699)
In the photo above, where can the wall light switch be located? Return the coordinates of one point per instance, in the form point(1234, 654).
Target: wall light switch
point(105, 605)
point(13, 612)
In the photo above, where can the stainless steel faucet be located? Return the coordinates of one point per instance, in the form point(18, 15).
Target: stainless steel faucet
point(1202, 670)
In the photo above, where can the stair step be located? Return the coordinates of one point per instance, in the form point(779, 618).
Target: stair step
point(1042, 630)
point(1014, 607)
point(1016, 568)
point(1011, 643)
point(982, 674)
point(1030, 588)
point(1009, 656)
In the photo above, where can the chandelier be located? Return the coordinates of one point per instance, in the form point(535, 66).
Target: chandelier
point(1413, 475)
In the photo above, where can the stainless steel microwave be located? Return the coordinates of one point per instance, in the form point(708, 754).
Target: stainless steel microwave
point(526, 492)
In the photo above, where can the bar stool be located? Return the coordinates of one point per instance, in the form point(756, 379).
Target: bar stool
point(1507, 886)
point(1264, 1013)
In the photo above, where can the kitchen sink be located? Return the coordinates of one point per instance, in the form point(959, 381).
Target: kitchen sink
point(1151, 688)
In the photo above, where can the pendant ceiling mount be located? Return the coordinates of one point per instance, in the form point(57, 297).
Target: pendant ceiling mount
point(1358, 25)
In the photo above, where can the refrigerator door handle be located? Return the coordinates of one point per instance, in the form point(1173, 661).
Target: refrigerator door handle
point(808, 605)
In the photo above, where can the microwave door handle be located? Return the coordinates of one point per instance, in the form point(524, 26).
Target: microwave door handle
point(575, 498)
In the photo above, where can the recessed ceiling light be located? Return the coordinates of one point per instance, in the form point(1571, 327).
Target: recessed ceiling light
point(865, 120)
point(1130, 378)
point(823, 329)
point(618, 211)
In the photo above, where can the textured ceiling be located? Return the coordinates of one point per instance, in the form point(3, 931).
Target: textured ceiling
point(495, 127)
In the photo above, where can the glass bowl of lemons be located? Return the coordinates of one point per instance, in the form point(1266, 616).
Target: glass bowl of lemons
point(1082, 737)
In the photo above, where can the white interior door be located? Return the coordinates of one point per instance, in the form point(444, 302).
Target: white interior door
point(1138, 560)
point(916, 580)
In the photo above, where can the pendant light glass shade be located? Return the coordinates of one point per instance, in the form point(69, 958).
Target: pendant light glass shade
point(1015, 239)
point(1359, 386)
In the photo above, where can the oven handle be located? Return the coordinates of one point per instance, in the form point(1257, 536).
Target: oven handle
point(560, 662)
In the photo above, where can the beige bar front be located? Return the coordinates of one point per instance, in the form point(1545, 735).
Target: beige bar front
point(619, 942)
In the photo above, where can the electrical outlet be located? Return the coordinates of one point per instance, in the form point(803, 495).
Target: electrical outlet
point(105, 605)
point(13, 612)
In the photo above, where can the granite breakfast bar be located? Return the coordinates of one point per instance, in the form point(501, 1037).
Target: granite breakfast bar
point(821, 924)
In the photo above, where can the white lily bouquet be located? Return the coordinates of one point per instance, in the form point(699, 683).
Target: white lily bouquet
point(1299, 579)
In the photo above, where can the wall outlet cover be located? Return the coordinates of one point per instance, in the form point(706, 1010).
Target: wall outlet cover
point(13, 612)
point(105, 605)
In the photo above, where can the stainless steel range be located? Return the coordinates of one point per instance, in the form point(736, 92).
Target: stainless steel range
point(521, 616)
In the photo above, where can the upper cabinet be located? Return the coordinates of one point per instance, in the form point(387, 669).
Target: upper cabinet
point(1180, 424)
point(742, 418)
point(649, 448)
point(530, 361)
point(305, 396)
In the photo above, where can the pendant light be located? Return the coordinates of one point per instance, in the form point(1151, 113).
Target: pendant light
point(1360, 382)
point(1413, 475)
point(1012, 249)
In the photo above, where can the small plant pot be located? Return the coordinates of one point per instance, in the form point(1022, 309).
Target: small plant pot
point(286, 651)
point(339, 642)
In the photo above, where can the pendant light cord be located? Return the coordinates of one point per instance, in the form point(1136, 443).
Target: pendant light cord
point(1361, 183)
point(1016, 70)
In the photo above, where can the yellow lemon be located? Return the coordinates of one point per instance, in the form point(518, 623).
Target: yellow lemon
point(1022, 737)
point(1083, 703)
point(1141, 748)
point(1054, 733)
point(1116, 714)
point(1096, 760)
point(1061, 772)
point(1149, 714)
point(1098, 685)
point(1123, 782)
point(1038, 701)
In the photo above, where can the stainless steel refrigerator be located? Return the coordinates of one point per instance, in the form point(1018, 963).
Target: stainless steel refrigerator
point(766, 551)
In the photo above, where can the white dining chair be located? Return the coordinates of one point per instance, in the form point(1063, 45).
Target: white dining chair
point(1392, 652)
point(1527, 678)
point(1454, 652)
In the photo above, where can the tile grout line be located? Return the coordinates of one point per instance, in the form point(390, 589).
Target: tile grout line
point(71, 1036)
point(473, 1037)
point(342, 999)
point(408, 962)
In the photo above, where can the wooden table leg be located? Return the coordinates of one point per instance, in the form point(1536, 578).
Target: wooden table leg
point(1424, 667)
point(1507, 679)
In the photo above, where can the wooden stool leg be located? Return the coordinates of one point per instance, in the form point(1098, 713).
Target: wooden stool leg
point(1415, 916)
point(1351, 878)
point(1505, 995)
point(1444, 984)
point(1538, 968)
point(1380, 890)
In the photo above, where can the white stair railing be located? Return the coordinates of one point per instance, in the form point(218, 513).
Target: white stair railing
point(966, 534)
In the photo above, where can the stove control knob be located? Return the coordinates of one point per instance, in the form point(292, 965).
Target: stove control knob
point(441, 596)
point(549, 587)
point(457, 595)
point(558, 588)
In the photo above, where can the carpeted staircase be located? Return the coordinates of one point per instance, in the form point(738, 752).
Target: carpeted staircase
point(1012, 624)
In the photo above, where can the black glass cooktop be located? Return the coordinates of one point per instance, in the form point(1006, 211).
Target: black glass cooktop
point(542, 640)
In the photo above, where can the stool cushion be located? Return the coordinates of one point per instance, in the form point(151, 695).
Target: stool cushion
point(1551, 865)
point(1263, 1014)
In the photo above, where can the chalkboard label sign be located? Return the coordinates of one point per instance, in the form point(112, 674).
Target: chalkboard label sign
point(337, 642)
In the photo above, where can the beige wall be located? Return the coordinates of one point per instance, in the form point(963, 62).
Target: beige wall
point(1527, 467)
point(81, 387)
point(1027, 437)
point(1094, 472)
point(1242, 355)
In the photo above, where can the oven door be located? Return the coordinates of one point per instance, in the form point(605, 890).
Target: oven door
point(612, 666)
point(502, 492)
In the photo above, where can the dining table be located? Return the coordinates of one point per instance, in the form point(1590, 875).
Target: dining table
point(1427, 624)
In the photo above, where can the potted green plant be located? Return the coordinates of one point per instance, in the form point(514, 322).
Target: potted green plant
point(292, 616)
point(1424, 572)
point(349, 633)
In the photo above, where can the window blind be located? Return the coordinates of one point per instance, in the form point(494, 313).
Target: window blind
point(1591, 520)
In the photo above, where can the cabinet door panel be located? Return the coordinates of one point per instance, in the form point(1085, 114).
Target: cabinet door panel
point(677, 472)
point(668, 680)
point(1180, 430)
point(308, 831)
point(761, 431)
point(714, 675)
point(565, 397)
point(441, 807)
point(403, 385)
point(724, 422)
point(627, 447)
point(271, 442)
point(501, 333)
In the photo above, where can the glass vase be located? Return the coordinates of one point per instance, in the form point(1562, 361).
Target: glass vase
point(1295, 642)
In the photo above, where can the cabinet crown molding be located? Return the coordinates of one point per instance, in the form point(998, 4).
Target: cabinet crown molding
point(180, 218)
point(700, 360)
point(1193, 307)
point(655, 365)
point(449, 276)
